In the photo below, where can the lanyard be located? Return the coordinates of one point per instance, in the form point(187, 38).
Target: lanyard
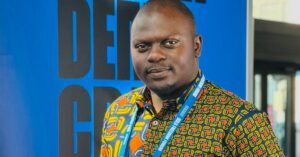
point(175, 124)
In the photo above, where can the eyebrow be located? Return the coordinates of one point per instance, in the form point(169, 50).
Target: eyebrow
point(138, 40)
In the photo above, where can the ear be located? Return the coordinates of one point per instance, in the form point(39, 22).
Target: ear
point(197, 45)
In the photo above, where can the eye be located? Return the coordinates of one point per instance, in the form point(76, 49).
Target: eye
point(170, 43)
point(142, 47)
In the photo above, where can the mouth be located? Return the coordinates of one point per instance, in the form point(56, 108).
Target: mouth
point(158, 72)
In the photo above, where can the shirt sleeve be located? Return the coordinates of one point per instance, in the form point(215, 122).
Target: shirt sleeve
point(104, 150)
point(252, 135)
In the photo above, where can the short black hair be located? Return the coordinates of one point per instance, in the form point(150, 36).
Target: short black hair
point(175, 4)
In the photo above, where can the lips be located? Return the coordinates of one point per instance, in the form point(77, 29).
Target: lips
point(157, 72)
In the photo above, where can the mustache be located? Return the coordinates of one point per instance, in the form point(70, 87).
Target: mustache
point(157, 68)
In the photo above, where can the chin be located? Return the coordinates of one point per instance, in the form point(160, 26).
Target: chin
point(162, 91)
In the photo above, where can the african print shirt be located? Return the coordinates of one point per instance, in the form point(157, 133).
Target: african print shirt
point(218, 124)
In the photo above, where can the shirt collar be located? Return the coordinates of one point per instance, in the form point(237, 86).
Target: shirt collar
point(169, 104)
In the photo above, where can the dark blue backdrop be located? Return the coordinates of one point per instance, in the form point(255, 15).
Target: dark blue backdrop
point(31, 87)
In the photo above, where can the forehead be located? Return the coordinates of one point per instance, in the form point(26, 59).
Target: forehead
point(160, 22)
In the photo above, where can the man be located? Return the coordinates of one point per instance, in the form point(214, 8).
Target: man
point(178, 112)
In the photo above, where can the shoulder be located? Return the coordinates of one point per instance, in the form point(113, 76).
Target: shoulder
point(242, 113)
point(229, 104)
point(213, 94)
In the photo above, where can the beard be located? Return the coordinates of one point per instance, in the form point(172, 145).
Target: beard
point(170, 91)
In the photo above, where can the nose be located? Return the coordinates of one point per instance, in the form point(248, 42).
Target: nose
point(156, 54)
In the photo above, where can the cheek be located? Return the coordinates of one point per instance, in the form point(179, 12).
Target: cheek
point(184, 69)
point(138, 64)
point(184, 62)
point(183, 65)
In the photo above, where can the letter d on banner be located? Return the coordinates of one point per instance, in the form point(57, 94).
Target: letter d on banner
point(74, 38)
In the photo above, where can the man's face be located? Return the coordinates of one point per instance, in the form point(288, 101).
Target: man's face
point(164, 50)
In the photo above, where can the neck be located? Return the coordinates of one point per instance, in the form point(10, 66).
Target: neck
point(157, 101)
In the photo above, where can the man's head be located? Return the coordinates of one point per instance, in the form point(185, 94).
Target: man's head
point(165, 47)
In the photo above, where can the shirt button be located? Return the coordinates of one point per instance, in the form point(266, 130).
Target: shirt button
point(154, 123)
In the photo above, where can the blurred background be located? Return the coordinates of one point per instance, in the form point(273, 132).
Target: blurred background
point(277, 68)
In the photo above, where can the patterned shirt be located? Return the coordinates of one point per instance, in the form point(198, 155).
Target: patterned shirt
point(218, 124)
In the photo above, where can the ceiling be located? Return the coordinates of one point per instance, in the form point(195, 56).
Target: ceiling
point(277, 42)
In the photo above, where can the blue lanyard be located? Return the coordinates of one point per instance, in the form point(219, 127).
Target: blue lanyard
point(175, 124)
